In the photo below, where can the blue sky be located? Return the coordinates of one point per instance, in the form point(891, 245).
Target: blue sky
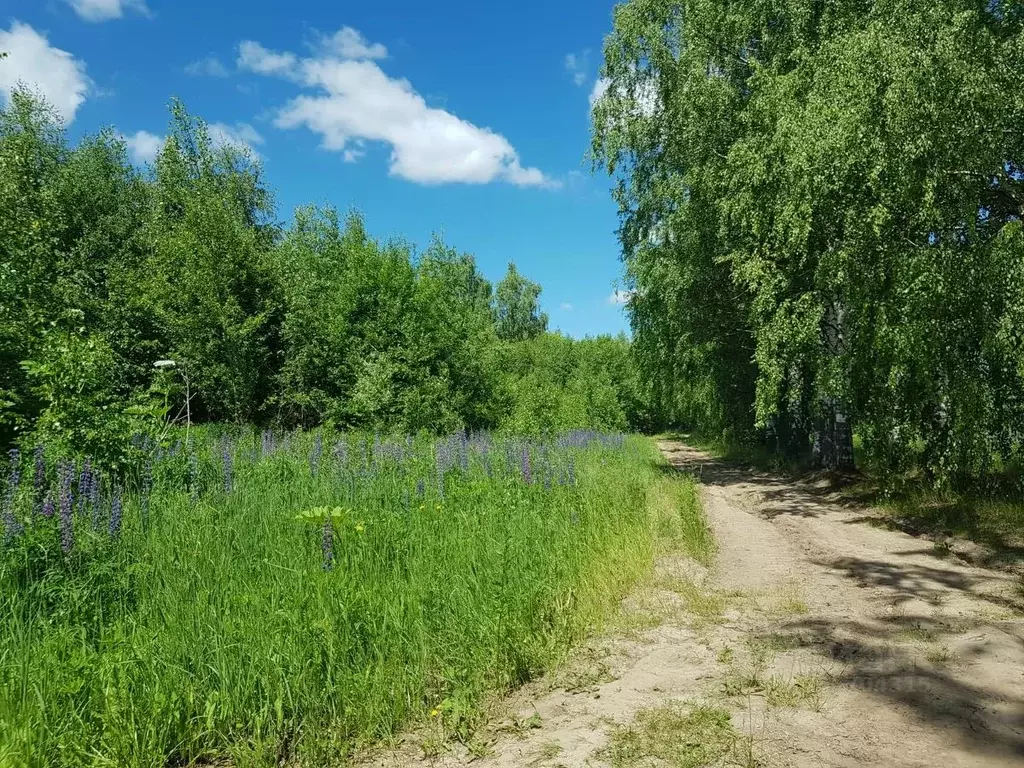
point(469, 119)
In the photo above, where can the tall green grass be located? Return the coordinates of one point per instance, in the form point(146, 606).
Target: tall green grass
point(214, 630)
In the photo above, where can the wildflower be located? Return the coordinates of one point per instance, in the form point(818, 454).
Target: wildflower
point(115, 513)
point(85, 482)
point(327, 544)
point(527, 476)
point(572, 471)
point(360, 527)
point(421, 487)
point(94, 499)
point(48, 510)
point(341, 452)
point(435, 712)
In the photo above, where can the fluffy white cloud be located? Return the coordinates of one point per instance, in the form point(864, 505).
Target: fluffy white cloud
point(255, 58)
point(104, 10)
point(599, 89)
point(566, 306)
point(239, 135)
point(620, 297)
point(210, 66)
point(576, 66)
point(353, 100)
point(33, 62)
point(144, 146)
point(348, 43)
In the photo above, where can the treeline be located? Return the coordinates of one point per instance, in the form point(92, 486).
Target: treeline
point(120, 290)
point(821, 219)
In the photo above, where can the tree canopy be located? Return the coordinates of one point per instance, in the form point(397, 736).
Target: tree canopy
point(106, 269)
point(821, 219)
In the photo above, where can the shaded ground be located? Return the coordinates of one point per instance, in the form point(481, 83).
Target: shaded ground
point(829, 642)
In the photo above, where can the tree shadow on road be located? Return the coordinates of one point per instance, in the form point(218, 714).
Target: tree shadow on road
point(875, 657)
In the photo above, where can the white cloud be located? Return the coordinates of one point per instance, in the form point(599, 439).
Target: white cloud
point(353, 100)
point(210, 66)
point(104, 10)
point(599, 90)
point(33, 62)
point(353, 153)
point(348, 43)
point(566, 306)
point(144, 146)
point(576, 66)
point(644, 95)
point(620, 297)
point(240, 136)
point(255, 58)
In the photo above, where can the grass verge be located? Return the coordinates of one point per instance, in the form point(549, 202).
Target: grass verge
point(209, 619)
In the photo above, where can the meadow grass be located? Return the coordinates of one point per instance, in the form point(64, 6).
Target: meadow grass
point(200, 616)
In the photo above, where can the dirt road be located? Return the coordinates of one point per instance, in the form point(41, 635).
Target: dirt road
point(829, 642)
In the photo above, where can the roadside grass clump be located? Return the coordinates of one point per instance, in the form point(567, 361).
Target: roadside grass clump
point(678, 735)
point(267, 598)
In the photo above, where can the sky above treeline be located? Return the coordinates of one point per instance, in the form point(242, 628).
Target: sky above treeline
point(471, 120)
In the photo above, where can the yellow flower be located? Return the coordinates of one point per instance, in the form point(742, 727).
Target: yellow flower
point(360, 527)
point(435, 712)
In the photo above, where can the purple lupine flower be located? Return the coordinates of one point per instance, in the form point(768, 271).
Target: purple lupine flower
point(464, 451)
point(572, 471)
point(421, 487)
point(66, 472)
point(40, 478)
point(115, 513)
point(341, 452)
point(228, 468)
point(527, 475)
point(327, 545)
point(574, 518)
point(12, 527)
point(95, 499)
point(317, 452)
point(85, 483)
point(48, 510)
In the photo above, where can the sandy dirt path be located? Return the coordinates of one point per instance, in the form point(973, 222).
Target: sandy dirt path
point(831, 642)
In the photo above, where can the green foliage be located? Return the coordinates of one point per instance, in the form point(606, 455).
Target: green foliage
point(821, 210)
point(83, 411)
point(214, 633)
point(554, 383)
point(106, 270)
point(517, 311)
